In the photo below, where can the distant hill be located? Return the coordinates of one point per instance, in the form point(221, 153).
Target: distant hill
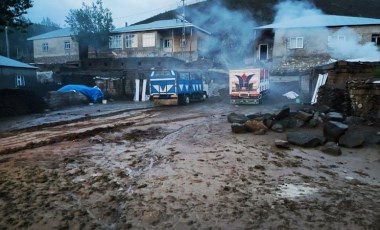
point(263, 12)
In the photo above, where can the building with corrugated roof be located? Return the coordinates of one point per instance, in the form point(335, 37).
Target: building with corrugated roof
point(54, 47)
point(16, 75)
point(165, 38)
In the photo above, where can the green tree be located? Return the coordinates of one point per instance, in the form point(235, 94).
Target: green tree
point(92, 25)
point(12, 11)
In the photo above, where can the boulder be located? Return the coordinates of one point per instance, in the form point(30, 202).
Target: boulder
point(351, 140)
point(333, 130)
point(238, 128)
point(334, 116)
point(304, 116)
point(278, 127)
point(237, 118)
point(282, 144)
point(331, 148)
point(305, 139)
point(254, 125)
point(283, 113)
point(314, 122)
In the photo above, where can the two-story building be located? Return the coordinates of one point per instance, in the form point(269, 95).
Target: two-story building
point(299, 44)
point(55, 47)
point(165, 38)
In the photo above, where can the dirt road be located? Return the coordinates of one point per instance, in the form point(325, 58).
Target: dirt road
point(181, 168)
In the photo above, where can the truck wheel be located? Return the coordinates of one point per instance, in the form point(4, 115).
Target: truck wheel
point(204, 96)
point(186, 99)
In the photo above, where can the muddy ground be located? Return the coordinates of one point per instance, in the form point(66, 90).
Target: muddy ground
point(183, 168)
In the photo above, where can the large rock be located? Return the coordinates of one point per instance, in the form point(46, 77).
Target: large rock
point(282, 144)
point(238, 128)
point(278, 127)
point(351, 140)
point(333, 130)
point(331, 148)
point(305, 139)
point(254, 125)
point(283, 113)
point(304, 116)
point(334, 116)
point(237, 118)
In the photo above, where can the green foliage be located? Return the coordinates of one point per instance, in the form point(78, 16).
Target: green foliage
point(91, 24)
point(376, 72)
point(12, 11)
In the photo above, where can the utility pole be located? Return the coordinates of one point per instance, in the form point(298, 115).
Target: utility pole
point(7, 41)
point(183, 39)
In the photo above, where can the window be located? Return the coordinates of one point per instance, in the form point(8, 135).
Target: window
point(20, 81)
point(130, 41)
point(168, 43)
point(115, 42)
point(149, 40)
point(376, 39)
point(335, 39)
point(67, 45)
point(295, 43)
point(45, 47)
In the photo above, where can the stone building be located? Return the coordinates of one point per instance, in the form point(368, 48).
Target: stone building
point(55, 47)
point(291, 49)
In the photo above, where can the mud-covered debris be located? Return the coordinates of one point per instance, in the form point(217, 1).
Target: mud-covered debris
point(254, 125)
point(282, 144)
point(238, 128)
point(331, 148)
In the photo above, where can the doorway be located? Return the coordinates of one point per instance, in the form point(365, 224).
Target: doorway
point(263, 52)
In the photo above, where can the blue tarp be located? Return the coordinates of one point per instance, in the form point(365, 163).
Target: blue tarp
point(93, 93)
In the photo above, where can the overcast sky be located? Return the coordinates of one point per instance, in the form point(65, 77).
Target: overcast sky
point(130, 11)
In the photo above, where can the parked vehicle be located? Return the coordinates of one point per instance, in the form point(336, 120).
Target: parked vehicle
point(173, 87)
point(248, 86)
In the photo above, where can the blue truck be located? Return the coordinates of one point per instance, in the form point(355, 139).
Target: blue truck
point(177, 87)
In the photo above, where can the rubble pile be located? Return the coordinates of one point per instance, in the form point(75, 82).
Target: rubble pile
point(307, 126)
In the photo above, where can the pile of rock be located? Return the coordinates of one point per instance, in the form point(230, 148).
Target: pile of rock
point(334, 134)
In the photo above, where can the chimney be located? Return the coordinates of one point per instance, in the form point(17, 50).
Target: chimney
point(126, 24)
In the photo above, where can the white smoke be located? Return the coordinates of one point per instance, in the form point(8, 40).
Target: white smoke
point(232, 32)
point(289, 10)
point(343, 44)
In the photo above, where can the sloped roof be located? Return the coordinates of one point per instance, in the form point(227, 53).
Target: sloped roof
point(65, 32)
point(4, 61)
point(322, 21)
point(158, 25)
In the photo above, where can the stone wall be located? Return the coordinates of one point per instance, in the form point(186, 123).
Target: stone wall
point(365, 99)
point(56, 100)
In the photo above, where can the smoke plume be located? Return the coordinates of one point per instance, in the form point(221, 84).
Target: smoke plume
point(232, 33)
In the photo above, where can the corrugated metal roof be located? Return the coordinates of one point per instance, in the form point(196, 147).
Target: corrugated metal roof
point(65, 32)
point(322, 21)
point(157, 25)
point(4, 61)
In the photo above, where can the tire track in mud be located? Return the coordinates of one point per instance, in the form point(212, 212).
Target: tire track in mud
point(76, 130)
point(33, 138)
